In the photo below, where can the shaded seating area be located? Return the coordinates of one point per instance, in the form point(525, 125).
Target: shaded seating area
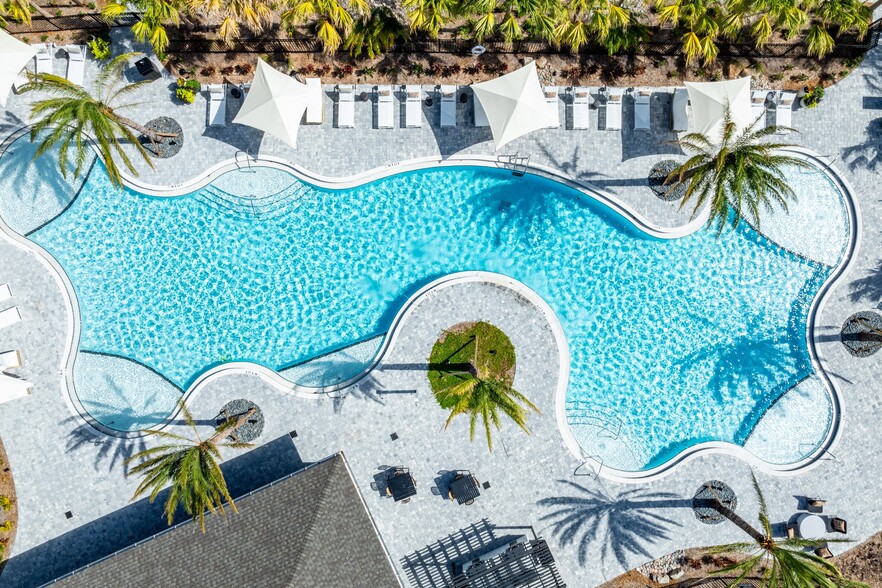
point(520, 563)
point(401, 485)
point(464, 488)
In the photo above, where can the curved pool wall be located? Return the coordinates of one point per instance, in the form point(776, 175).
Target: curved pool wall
point(616, 206)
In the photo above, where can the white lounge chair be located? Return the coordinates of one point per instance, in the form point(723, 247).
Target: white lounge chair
point(413, 112)
point(552, 99)
point(680, 110)
point(315, 110)
point(10, 360)
point(614, 109)
point(758, 107)
point(480, 115)
point(345, 105)
point(448, 105)
point(43, 58)
point(385, 112)
point(581, 108)
point(10, 316)
point(12, 388)
point(641, 109)
point(76, 63)
point(5, 292)
point(217, 105)
point(784, 111)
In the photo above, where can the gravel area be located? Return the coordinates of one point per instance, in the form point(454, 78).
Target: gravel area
point(657, 176)
point(709, 491)
point(252, 428)
point(168, 146)
point(861, 322)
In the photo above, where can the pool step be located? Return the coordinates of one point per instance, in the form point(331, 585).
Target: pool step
point(271, 206)
point(586, 413)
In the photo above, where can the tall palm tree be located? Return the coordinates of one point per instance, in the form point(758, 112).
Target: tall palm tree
point(190, 465)
point(483, 395)
point(154, 16)
point(73, 113)
point(585, 20)
point(375, 34)
point(784, 563)
point(702, 19)
point(332, 20)
point(255, 15)
point(735, 177)
point(430, 15)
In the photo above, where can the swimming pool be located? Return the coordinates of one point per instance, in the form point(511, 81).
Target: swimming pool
point(672, 342)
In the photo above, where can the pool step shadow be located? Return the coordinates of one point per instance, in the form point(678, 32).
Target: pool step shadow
point(584, 413)
point(272, 206)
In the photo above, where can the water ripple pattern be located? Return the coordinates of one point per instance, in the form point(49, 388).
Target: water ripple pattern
point(673, 342)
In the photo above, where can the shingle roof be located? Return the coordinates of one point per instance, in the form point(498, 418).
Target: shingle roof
point(306, 530)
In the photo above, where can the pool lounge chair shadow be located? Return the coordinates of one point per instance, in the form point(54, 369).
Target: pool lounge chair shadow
point(623, 525)
point(465, 134)
point(141, 519)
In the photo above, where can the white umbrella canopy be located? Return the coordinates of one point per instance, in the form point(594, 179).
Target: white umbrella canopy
point(275, 103)
point(709, 101)
point(514, 104)
point(14, 55)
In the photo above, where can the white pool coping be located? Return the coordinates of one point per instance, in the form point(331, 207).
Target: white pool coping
point(611, 201)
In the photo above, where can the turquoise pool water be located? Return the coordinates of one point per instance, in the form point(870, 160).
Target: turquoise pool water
point(673, 342)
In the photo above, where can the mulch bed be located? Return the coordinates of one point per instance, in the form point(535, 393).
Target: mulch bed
point(7, 489)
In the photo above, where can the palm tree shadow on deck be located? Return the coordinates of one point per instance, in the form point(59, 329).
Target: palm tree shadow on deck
point(869, 287)
point(623, 525)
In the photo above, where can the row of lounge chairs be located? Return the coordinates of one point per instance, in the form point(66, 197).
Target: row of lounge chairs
point(11, 387)
point(582, 103)
point(76, 63)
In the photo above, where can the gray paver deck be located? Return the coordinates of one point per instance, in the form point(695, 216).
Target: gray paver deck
point(57, 467)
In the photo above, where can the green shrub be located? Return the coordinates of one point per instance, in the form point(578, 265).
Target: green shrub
point(5, 503)
point(813, 98)
point(7, 526)
point(185, 95)
point(193, 85)
point(100, 48)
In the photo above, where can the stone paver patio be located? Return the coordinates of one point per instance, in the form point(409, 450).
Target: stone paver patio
point(62, 465)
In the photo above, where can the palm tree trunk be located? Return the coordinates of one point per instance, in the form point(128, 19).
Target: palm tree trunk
point(737, 520)
point(151, 134)
point(872, 333)
point(41, 10)
point(229, 431)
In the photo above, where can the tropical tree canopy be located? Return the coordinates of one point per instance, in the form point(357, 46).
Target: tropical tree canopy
point(375, 35)
point(190, 466)
point(331, 20)
point(72, 115)
point(736, 177)
point(782, 563)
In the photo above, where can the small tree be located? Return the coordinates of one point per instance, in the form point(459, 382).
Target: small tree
point(190, 465)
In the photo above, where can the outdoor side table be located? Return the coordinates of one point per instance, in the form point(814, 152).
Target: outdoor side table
point(401, 486)
point(465, 489)
point(811, 526)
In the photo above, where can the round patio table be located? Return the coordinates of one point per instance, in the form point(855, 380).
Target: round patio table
point(811, 526)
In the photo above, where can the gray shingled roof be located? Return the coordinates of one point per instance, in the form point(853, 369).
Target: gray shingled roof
point(306, 530)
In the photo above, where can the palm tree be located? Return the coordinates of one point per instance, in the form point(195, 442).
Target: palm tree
point(587, 19)
point(780, 562)
point(254, 14)
point(483, 395)
point(331, 19)
point(376, 34)
point(703, 21)
point(736, 176)
point(73, 113)
point(191, 466)
point(154, 16)
point(430, 15)
point(511, 17)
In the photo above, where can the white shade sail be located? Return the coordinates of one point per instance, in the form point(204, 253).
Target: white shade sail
point(275, 103)
point(709, 101)
point(14, 55)
point(514, 104)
